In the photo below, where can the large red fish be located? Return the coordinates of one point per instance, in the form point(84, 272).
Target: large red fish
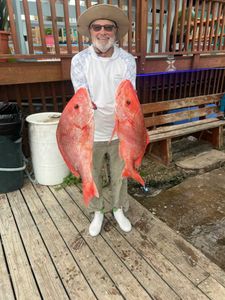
point(75, 137)
point(130, 128)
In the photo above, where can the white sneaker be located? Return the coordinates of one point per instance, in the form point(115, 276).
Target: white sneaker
point(123, 222)
point(96, 224)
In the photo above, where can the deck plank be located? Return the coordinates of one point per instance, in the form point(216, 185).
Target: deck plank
point(73, 280)
point(5, 285)
point(22, 278)
point(94, 273)
point(212, 289)
point(38, 253)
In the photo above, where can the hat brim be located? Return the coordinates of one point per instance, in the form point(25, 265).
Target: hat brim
point(105, 12)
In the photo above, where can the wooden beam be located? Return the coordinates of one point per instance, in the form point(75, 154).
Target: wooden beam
point(28, 72)
point(154, 65)
point(21, 72)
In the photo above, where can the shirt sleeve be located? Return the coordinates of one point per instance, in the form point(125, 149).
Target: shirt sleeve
point(77, 74)
point(131, 70)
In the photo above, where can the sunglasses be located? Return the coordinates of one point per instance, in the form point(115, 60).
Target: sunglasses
point(97, 27)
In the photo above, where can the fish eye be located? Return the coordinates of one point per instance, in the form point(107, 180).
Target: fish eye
point(128, 102)
point(76, 106)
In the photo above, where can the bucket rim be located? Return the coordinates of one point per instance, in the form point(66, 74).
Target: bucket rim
point(32, 119)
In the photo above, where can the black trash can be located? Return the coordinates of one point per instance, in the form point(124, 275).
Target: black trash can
point(11, 157)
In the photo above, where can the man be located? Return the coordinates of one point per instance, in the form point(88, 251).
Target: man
point(100, 68)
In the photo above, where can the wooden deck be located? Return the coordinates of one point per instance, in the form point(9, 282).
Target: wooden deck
point(46, 253)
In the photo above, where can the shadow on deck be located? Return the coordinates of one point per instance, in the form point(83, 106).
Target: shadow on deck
point(46, 253)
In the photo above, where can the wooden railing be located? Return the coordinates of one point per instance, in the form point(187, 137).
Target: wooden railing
point(158, 27)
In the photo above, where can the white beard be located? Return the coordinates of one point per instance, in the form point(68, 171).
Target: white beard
point(103, 47)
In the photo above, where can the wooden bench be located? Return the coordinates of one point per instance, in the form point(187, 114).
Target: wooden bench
point(199, 116)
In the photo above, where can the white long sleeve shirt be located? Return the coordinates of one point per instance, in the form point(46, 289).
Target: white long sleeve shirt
point(101, 76)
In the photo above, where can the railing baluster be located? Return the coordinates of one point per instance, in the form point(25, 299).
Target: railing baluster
point(175, 24)
point(63, 93)
point(43, 99)
point(189, 20)
point(182, 24)
point(67, 23)
point(195, 26)
point(205, 84)
point(175, 86)
point(210, 80)
point(28, 26)
point(201, 26)
point(153, 35)
point(55, 104)
point(223, 79)
point(161, 24)
point(80, 41)
point(120, 5)
point(217, 26)
point(54, 26)
point(212, 25)
point(29, 96)
point(206, 35)
point(168, 28)
point(163, 87)
point(222, 34)
point(18, 96)
point(13, 26)
point(41, 26)
point(190, 84)
point(130, 42)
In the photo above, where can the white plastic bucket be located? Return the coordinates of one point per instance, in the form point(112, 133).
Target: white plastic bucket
point(48, 164)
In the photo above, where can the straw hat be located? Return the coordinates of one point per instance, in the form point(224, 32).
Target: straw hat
point(106, 12)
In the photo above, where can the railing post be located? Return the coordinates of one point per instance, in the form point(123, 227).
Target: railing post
point(142, 28)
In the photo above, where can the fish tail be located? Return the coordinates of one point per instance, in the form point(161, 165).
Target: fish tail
point(89, 192)
point(133, 174)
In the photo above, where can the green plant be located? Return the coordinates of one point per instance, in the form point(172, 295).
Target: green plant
point(4, 23)
point(69, 180)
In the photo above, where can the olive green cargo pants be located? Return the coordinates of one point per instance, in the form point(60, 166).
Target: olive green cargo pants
point(118, 184)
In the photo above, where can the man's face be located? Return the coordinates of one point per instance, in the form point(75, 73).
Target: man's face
point(103, 38)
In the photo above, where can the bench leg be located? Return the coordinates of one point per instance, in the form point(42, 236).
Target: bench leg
point(161, 151)
point(214, 136)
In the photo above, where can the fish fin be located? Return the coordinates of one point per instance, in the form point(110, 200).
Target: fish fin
point(133, 174)
point(138, 161)
point(89, 191)
point(67, 161)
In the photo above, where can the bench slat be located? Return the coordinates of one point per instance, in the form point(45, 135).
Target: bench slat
point(184, 131)
point(163, 129)
point(179, 116)
point(180, 103)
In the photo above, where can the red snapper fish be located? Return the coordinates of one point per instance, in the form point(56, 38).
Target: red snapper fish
point(75, 138)
point(130, 128)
